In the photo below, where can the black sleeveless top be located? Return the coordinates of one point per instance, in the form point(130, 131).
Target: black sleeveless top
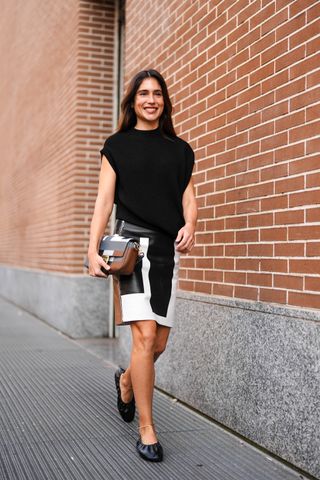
point(152, 173)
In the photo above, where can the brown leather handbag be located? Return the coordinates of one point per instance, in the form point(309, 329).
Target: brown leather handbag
point(120, 253)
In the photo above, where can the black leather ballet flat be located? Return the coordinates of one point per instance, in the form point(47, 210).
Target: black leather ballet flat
point(151, 453)
point(126, 410)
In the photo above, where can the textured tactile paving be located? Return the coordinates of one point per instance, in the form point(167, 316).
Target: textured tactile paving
point(58, 419)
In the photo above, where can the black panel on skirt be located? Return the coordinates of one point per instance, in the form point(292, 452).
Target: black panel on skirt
point(160, 254)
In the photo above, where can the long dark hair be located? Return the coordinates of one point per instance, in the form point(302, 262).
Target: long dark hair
point(128, 118)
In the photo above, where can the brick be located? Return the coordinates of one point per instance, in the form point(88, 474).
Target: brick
point(287, 249)
point(247, 178)
point(304, 67)
point(312, 249)
point(313, 46)
point(273, 295)
point(225, 158)
point(247, 264)
point(224, 263)
point(275, 51)
point(262, 44)
point(289, 184)
point(313, 180)
point(260, 250)
point(261, 102)
point(291, 57)
point(247, 150)
point(313, 215)
point(289, 152)
point(236, 167)
point(237, 114)
point(249, 39)
point(247, 236)
point(250, 293)
point(224, 210)
point(308, 197)
point(213, 276)
point(289, 217)
point(275, 81)
point(290, 27)
point(290, 121)
point(262, 73)
point(261, 220)
point(304, 99)
point(279, 18)
point(290, 282)
point(312, 113)
point(298, 6)
point(235, 277)
point(304, 300)
point(304, 266)
point(290, 89)
point(249, 11)
point(313, 146)
point(273, 234)
point(274, 141)
point(304, 34)
point(226, 132)
point(260, 279)
point(276, 171)
point(306, 232)
point(225, 183)
point(235, 250)
point(304, 165)
point(304, 131)
point(238, 86)
point(223, 290)
point(238, 33)
point(195, 274)
point(247, 207)
point(236, 222)
point(274, 265)
point(249, 121)
point(224, 237)
point(312, 283)
point(261, 160)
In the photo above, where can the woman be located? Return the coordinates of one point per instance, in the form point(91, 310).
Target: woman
point(146, 170)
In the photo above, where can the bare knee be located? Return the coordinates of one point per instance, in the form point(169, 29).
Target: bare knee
point(144, 340)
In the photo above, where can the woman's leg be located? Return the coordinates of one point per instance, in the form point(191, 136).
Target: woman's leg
point(125, 379)
point(149, 341)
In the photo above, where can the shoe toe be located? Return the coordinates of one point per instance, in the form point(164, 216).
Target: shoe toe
point(151, 453)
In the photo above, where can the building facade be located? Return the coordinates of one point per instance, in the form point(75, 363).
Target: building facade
point(244, 77)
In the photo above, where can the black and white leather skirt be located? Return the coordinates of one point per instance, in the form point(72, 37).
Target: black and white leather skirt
point(150, 292)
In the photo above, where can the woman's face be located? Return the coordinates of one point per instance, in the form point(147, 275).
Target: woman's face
point(148, 103)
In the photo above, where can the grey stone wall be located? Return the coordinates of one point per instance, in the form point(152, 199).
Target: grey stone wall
point(75, 304)
point(253, 367)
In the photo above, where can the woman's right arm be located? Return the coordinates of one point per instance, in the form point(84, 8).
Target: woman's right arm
point(102, 211)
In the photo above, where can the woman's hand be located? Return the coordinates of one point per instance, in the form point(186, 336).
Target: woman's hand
point(95, 264)
point(185, 238)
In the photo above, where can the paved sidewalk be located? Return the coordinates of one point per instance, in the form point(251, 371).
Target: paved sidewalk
point(58, 419)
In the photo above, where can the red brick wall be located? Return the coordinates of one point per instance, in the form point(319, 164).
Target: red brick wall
point(244, 79)
point(56, 109)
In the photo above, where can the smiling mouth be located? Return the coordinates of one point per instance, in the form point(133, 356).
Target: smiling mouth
point(150, 109)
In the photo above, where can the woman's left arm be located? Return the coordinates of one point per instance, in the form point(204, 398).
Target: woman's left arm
point(186, 234)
